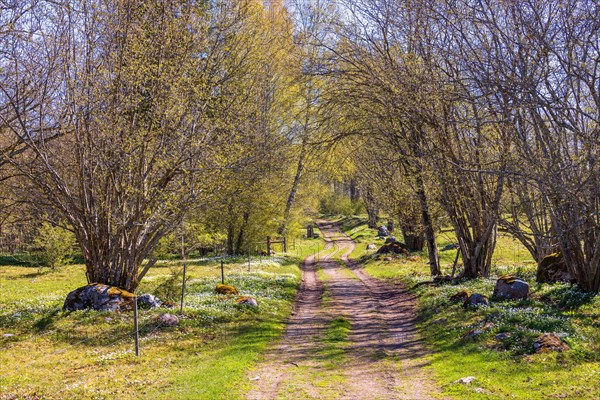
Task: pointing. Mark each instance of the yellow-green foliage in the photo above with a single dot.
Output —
(507, 278)
(462, 296)
(243, 299)
(226, 289)
(551, 259)
(115, 291)
(54, 245)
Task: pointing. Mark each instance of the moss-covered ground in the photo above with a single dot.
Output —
(50, 354)
(495, 344)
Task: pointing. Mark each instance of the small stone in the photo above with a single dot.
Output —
(476, 299)
(387, 259)
(251, 301)
(167, 319)
(488, 326)
(390, 239)
(467, 380)
(549, 342)
(8, 335)
(148, 301)
(502, 336)
(383, 231)
(371, 246)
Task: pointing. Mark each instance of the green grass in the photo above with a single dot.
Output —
(505, 367)
(81, 355)
(335, 342)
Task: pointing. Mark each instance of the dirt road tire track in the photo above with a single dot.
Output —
(384, 355)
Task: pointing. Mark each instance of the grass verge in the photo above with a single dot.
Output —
(83, 355)
(495, 344)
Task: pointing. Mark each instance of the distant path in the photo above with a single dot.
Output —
(383, 358)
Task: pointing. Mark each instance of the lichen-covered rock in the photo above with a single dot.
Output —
(148, 301)
(549, 342)
(226, 289)
(371, 246)
(390, 239)
(166, 319)
(511, 287)
(99, 297)
(553, 269)
(475, 300)
(251, 301)
(461, 296)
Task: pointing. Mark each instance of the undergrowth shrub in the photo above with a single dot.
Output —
(53, 246)
(170, 288)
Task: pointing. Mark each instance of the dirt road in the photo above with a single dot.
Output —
(381, 357)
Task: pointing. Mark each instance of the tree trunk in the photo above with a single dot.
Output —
(413, 242)
(432, 250)
(230, 239)
(292, 195)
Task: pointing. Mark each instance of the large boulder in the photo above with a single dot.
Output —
(510, 287)
(383, 231)
(99, 297)
(553, 269)
(549, 342)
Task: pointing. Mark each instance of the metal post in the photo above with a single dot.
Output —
(135, 324)
(183, 287)
(284, 245)
(222, 273)
(268, 246)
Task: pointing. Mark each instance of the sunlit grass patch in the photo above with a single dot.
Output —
(55, 354)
